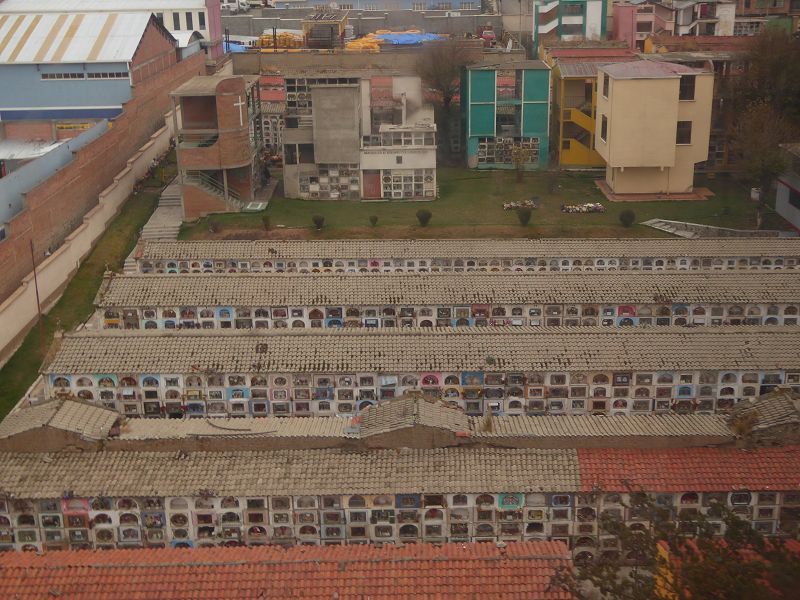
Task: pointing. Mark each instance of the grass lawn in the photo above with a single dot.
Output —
(76, 305)
(470, 205)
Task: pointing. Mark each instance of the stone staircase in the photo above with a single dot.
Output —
(697, 230)
(165, 223)
(214, 188)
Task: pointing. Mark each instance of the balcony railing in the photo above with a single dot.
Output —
(197, 140)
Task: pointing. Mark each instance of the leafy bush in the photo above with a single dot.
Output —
(318, 221)
(265, 222)
(373, 220)
(524, 215)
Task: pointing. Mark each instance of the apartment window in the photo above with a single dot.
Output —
(605, 84)
(604, 128)
(573, 8)
(189, 21)
(684, 134)
(160, 17)
(176, 21)
(467, 6)
(644, 27)
(201, 20)
(687, 87)
(418, 6)
(747, 3)
(346, 6)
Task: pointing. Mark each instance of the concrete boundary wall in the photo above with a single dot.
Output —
(18, 312)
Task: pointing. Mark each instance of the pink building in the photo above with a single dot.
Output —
(633, 22)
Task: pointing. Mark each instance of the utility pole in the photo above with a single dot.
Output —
(38, 303)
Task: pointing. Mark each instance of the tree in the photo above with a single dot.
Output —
(773, 73)
(373, 220)
(424, 216)
(520, 157)
(318, 221)
(756, 138)
(439, 66)
(524, 215)
(680, 556)
(627, 217)
(266, 222)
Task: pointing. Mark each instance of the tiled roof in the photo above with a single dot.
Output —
(92, 422)
(590, 248)
(365, 289)
(778, 408)
(645, 69)
(289, 472)
(408, 412)
(449, 471)
(511, 349)
(390, 415)
(690, 469)
(588, 426)
(272, 427)
(515, 570)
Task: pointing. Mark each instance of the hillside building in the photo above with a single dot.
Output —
(672, 103)
(328, 372)
(459, 256)
(506, 109)
(76, 66)
(218, 124)
(181, 18)
(358, 135)
(585, 299)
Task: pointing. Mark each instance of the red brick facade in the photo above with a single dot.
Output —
(56, 206)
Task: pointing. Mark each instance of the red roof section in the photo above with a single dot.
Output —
(690, 469)
(519, 570)
(722, 43)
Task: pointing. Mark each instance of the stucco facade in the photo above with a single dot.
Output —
(653, 125)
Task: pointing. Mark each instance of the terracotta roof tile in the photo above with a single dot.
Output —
(316, 573)
(690, 469)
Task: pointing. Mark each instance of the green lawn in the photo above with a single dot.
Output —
(470, 205)
(76, 305)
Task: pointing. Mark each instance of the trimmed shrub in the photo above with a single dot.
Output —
(318, 221)
(265, 221)
(424, 216)
(524, 215)
(627, 217)
(373, 220)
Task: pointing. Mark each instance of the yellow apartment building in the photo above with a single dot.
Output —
(653, 122)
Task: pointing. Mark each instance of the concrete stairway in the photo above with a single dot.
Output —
(673, 227)
(165, 223)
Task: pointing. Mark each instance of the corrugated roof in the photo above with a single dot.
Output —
(579, 69)
(368, 289)
(596, 426)
(278, 427)
(453, 571)
(84, 6)
(474, 248)
(779, 408)
(289, 472)
(411, 350)
(92, 422)
(445, 471)
(410, 412)
(70, 37)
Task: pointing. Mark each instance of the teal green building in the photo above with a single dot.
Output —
(504, 107)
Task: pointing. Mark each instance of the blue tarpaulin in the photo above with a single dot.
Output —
(234, 47)
(407, 39)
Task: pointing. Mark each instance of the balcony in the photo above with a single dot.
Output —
(212, 149)
(197, 140)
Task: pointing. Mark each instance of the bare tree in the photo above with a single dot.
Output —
(439, 66)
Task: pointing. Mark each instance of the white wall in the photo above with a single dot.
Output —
(782, 206)
(594, 20)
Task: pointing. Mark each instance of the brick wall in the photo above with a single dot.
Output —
(56, 206)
